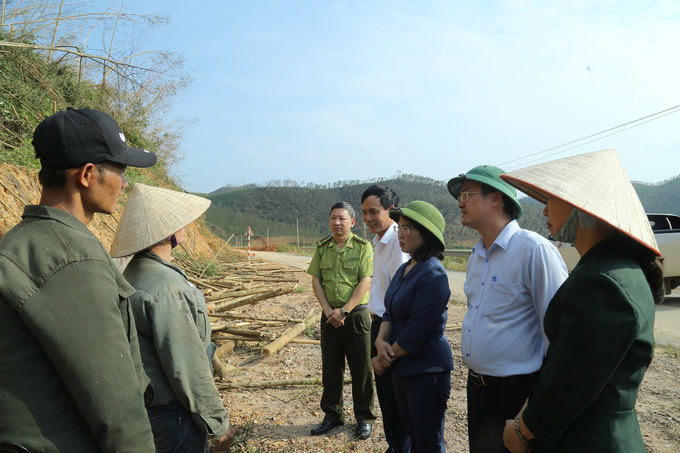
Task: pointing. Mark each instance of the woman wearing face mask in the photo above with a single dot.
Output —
(600, 323)
(184, 406)
(411, 340)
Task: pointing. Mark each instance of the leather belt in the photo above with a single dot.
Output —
(376, 318)
(482, 380)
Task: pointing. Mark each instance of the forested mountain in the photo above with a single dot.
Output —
(278, 205)
(278, 208)
(663, 197)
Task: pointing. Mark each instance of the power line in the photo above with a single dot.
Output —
(654, 116)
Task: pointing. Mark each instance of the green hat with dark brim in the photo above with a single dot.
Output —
(425, 214)
(491, 176)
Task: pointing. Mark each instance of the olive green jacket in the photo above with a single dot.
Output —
(340, 272)
(600, 324)
(71, 378)
(174, 337)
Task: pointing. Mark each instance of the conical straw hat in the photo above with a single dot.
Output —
(597, 184)
(151, 215)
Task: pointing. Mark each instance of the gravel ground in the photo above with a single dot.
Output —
(278, 419)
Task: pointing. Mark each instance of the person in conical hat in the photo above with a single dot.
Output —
(600, 323)
(172, 322)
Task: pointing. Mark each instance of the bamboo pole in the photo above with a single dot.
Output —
(288, 335)
(245, 332)
(279, 383)
(214, 257)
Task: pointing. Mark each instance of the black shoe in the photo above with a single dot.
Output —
(326, 426)
(363, 431)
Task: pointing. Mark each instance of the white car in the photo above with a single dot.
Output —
(666, 228)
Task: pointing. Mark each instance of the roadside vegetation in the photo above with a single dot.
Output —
(55, 55)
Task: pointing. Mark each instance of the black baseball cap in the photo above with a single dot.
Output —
(74, 137)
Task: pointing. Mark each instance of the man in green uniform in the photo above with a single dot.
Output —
(341, 271)
(71, 377)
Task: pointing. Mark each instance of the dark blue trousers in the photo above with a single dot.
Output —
(421, 399)
(394, 432)
(174, 431)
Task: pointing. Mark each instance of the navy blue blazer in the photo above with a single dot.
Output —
(417, 311)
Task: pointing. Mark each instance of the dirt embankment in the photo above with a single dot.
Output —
(19, 186)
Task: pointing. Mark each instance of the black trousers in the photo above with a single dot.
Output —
(352, 340)
(394, 432)
(490, 405)
(422, 400)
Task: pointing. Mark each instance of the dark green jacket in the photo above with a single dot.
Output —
(71, 378)
(600, 324)
(174, 337)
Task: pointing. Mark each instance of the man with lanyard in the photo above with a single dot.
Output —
(376, 203)
(341, 271)
(512, 275)
(71, 377)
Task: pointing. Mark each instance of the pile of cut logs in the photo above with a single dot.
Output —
(241, 284)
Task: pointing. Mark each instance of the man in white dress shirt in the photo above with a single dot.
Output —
(512, 275)
(376, 203)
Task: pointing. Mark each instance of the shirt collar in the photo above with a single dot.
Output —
(61, 216)
(502, 241)
(389, 233)
(349, 243)
(152, 256)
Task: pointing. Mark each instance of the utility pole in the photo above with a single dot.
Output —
(297, 225)
(267, 239)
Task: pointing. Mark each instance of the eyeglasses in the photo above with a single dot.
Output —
(465, 196)
(406, 229)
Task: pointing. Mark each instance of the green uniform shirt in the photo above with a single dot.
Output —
(71, 377)
(340, 272)
(174, 337)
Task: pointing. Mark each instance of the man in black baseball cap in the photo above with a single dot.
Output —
(72, 376)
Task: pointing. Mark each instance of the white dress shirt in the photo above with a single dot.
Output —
(387, 257)
(508, 289)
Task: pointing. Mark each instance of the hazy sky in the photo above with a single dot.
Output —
(321, 91)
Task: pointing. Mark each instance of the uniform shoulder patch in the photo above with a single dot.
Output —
(360, 240)
(325, 240)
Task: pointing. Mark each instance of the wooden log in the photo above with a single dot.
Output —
(242, 332)
(279, 383)
(249, 333)
(288, 335)
(253, 299)
(256, 318)
(222, 295)
(235, 338)
(225, 348)
(202, 283)
(304, 341)
(222, 370)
